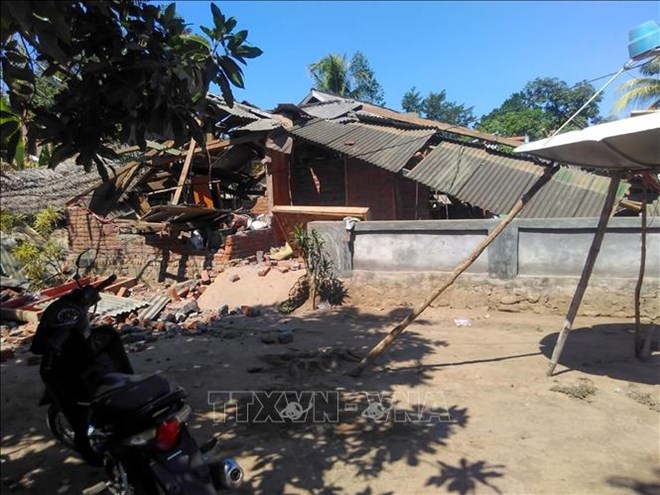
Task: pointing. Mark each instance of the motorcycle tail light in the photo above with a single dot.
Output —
(167, 435)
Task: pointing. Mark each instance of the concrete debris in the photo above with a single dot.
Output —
(264, 271)
(234, 278)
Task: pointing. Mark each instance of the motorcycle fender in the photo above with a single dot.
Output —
(183, 470)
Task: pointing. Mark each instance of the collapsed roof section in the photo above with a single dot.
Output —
(465, 164)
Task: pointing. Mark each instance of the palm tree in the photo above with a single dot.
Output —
(331, 75)
(641, 92)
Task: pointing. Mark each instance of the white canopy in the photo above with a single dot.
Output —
(627, 144)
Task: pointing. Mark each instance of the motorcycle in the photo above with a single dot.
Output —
(134, 426)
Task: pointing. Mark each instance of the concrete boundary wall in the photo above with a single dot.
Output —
(527, 248)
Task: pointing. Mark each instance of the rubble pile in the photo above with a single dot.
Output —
(172, 312)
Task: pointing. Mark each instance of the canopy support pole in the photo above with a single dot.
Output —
(586, 271)
(379, 348)
(639, 336)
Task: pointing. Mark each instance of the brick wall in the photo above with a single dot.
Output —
(149, 257)
(319, 183)
(152, 257)
(246, 243)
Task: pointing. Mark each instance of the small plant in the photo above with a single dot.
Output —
(581, 390)
(323, 281)
(644, 399)
(46, 220)
(41, 263)
(9, 220)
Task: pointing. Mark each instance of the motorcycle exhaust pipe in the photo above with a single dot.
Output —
(231, 474)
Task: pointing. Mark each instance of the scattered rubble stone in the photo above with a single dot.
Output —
(264, 271)
(285, 337)
(269, 338)
(6, 354)
(137, 346)
(510, 299)
(250, 311)
(206, 277)
(33, 360)
(283, 269)
(234, 278)
(224, 310)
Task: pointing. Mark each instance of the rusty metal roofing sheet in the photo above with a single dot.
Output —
(386, 147)
(331, 109)
(495, 181)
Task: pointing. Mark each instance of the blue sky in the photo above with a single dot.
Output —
(479, 52)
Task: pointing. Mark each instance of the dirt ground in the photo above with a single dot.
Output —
(591, 429)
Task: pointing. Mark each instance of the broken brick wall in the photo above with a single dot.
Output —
(153, 257)
(246, 243)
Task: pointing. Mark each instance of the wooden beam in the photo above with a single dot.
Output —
(402, 325)
(184, 173)
(586, 271)
(639, 336)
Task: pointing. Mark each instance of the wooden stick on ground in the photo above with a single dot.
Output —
(639, 337)
(586, 271)
(401, 326)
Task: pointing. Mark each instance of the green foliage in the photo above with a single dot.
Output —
(127, 69)
(12, 144)
(366, 87)
(41, 263)
(319, 267)
(9, 220)
(542, 107)
(286, 307)
(334, 74)
(641, 92)
(412, 101)
(436, 107)
(46, 220)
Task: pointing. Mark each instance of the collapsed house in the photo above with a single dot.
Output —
(169, 213)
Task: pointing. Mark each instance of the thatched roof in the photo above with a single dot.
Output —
(33, 189)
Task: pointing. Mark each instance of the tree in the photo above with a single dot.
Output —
(333, 74)
(412, 101)
(642, 92)
(127, 68)
(366, 87)
(436, 107)
(541, 107)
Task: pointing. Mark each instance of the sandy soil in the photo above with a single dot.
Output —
(509, 432)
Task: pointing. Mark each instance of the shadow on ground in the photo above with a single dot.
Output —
(603, 350)
(301, 456)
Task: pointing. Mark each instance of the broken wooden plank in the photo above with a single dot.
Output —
(184, 172)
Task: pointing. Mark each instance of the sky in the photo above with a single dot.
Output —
(478, 52)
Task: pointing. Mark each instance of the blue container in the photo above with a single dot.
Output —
(643, 39)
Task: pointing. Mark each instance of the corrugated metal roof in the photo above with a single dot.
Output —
(495, 181)
(386, 147)
(111, 305)
(331, 109)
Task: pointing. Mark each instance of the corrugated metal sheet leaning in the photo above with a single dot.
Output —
(494, 181)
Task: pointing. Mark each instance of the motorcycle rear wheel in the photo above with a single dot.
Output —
(60, 427)
(125, 480)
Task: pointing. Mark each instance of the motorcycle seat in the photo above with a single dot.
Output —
(119, 393)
